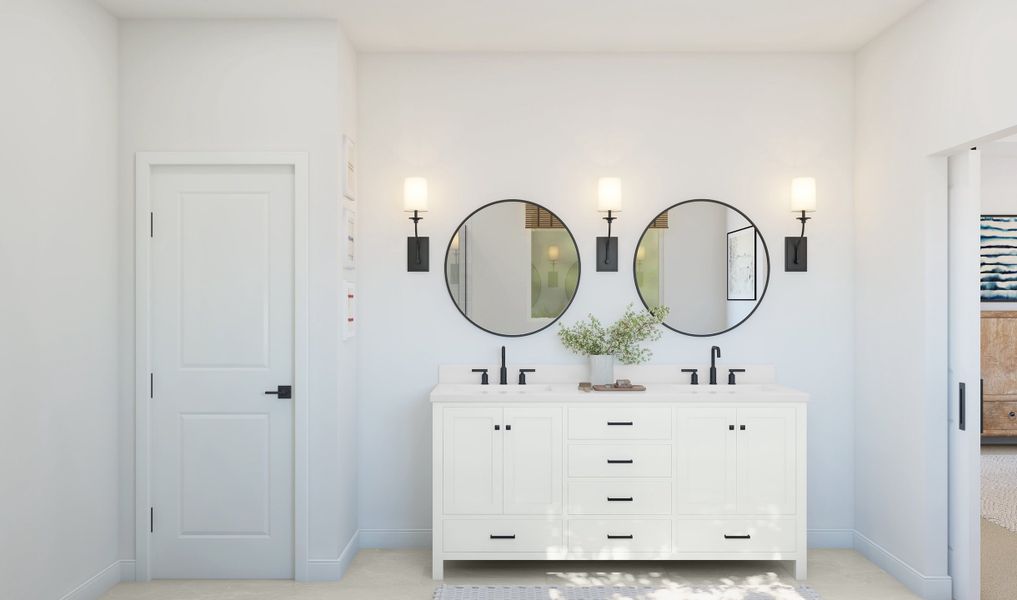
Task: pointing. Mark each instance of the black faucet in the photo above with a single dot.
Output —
(714, 355)
(503, 378)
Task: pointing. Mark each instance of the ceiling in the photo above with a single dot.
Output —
(567, 25)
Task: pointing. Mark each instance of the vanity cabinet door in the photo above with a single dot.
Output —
(705, 474)
(472, 460)
(533, 461)
(766, 460)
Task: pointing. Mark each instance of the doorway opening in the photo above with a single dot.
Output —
(982, 250)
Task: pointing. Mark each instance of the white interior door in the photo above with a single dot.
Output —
(964, 374)
(222, 330)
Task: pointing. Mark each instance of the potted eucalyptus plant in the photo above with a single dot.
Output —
(620, 340)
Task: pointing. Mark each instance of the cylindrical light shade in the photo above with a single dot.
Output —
(455, 243)
(803, 194)
(553, 252)
(609, 194)
(415, 194)
(641, 253)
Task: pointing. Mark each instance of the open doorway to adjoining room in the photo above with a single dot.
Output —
(982, 232)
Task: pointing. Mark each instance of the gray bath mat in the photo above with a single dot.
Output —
(550, 592)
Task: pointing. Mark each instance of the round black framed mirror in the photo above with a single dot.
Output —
(512, 268)
(707, 261)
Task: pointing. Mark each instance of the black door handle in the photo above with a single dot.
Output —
(610, 499)
(619, 461)
(619, 537)
(737, 537)
(503, 537)
(619, 423)
(283, 391)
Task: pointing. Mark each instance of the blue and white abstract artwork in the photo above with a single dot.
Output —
(999, 258)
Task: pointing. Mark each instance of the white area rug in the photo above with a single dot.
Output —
(999, 489)
(719, 591)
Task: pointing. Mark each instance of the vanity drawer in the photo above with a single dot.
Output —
(997, 416)
(614, 538)
(620, 497)
(502, 535)
(620, 460)
(620, 423)
(735, 535)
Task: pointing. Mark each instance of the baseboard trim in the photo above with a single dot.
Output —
(333, 569)
(395, 538)
(96, 585)
(831, 538)
(929, 587)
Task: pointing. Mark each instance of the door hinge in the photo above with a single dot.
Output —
(151, 385)
(151, 224)
(151, 519)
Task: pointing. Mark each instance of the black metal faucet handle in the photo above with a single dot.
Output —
(483, 378)
(522, 375)
(731, 375)
(694, 378)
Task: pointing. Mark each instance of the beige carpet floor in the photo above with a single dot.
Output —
(999, 550)
(999, 562)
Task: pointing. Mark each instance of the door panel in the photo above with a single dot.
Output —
(533, 461)
(472, 461)
(964, 350)
(766, 461)
(222, 334)
(706, 461)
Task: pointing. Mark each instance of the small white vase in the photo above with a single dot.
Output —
(602, 369)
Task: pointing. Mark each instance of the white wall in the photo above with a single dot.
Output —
(253, 86)
(58, 264)
(941, 78)
(544, 127)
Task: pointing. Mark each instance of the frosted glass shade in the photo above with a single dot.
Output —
(609, 194)
(803, 194)
(553, 252)
(415, 194)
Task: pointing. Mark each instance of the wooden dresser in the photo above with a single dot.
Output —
(999, 373)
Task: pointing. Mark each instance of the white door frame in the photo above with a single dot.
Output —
(144, 162)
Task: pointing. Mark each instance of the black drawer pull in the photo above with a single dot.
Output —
(737, 537)
(619, 461)
(1013, 414)
(619, 537)
(503, 537)
(610, 499)
(629, 423)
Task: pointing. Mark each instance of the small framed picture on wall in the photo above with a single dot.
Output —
(349, 168)
(348, 237)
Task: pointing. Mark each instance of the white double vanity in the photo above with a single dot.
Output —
(676, 472)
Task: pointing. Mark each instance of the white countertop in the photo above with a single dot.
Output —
(655, 392)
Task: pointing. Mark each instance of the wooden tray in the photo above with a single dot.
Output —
(586, 387)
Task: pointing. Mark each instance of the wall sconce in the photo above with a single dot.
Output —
(803, 200)
(415, 201)
(608, 200)
(553, 254)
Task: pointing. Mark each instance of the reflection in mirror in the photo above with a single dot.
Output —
(512, 268)
(707, 262)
